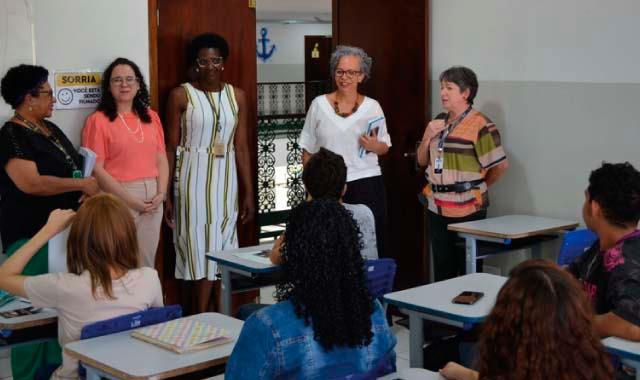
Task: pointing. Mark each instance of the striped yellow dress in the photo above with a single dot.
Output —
(206, 186)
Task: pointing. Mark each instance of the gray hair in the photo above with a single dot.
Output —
(343, 51)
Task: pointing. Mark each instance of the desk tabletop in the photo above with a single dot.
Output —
(435, 299)
(413, 374)
(234, 259)
(513, 226)
(623, 348)
(126, 357)
(43, 317)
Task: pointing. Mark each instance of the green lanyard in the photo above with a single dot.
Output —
(54, 140)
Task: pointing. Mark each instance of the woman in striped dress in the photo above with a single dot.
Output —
(207, 140)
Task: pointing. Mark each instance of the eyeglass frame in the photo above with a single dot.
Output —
(119, 81)
(210, 61)
(350, 74)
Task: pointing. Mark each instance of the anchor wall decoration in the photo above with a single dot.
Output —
(264, 55)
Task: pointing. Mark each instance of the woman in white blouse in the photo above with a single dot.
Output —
(352, 125)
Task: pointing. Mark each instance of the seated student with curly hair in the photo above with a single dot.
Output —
(325, 177)
(326, 325)
(541, 328)
(610, 269)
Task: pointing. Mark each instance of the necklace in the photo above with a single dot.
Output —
(135, 132)
(345, 114)
(36, 127)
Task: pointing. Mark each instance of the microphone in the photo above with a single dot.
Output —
(441, 116)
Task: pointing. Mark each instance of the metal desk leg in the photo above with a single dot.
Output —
(226, 290)
(536, 251)
(634, 364)
(96, 374)
(471, 249)
(416, 341)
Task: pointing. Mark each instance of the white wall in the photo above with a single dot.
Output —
(73, 35)
(287, 62)
(561, 81)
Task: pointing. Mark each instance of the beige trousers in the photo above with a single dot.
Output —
(147, 224)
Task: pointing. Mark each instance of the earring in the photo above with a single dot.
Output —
(197, 70)
(223, 68)
(30, 108)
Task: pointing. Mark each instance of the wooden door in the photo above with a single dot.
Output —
(317, 50)
(394, 34)
(172, 25)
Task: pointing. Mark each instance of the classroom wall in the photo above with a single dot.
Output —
(559, 78)
(287, 62)
(72, 35)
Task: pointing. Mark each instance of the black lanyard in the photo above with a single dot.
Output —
(54, 140)
(445, 133)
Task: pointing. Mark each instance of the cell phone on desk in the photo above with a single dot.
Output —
(467, 297)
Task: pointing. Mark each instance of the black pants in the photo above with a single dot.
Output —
(448, 260)
(370, 191)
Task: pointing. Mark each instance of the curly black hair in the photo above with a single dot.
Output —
(206, 41)
(323, 274)
(141, 101)
(464, 78)
(616, 188)
(22, 80)
(324, 175)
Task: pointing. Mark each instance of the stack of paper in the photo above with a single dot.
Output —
(89, 161)
(183, 335)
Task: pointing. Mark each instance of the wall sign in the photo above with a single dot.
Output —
(77, 89)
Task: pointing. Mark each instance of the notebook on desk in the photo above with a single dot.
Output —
(261, 256)
(183, 335)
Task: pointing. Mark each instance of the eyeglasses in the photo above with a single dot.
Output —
(348, 73)
(215, 61)
(122, 80)
(48, 93)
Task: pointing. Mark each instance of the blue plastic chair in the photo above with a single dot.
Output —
(380, 275)
(126, 322)
(574, 244)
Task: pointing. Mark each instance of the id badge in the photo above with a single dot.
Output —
(438, 165)
(218, 149)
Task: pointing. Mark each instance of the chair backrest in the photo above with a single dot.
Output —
(380, 275)
(574, 244)
(131, 321)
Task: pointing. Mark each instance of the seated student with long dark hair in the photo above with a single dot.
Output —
(326, 324)
(541, 328)
(105, 279)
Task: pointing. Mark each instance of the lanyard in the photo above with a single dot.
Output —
(216, 112)
(445, 133)
(54, 140)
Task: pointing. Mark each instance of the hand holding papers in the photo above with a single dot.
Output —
(373, 126)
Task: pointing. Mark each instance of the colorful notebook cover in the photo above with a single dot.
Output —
(183, 335)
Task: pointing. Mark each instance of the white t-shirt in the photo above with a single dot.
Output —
(367, 224)
(323, 128)
(71, 295)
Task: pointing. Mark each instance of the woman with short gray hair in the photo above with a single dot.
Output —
(353, 126)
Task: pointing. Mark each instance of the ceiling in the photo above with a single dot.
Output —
(294, 11)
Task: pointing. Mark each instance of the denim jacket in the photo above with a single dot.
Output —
(275, 344)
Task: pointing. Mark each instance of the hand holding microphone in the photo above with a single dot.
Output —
(434, 127)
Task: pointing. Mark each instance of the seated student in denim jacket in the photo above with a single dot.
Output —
(610, 269)
(326, 324)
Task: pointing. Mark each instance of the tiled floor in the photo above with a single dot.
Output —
(5, 365)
